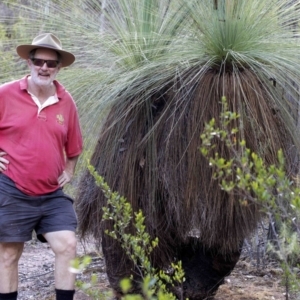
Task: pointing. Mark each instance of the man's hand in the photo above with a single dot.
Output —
(3, 162)
(68, 173)
(64, 178)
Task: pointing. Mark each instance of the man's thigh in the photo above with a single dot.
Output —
(58, 215)
(18, 215)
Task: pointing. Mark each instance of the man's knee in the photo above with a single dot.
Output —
(62, 243)
(69, 246)
(10, 253)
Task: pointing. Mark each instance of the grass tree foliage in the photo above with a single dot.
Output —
(149, 74)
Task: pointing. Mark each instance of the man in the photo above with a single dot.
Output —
(40, 141)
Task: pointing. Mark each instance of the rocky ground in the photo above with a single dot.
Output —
(247, 281)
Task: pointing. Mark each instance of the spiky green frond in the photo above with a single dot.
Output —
(144, 44)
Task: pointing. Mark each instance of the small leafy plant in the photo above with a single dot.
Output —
(138, 248)
(247, 175)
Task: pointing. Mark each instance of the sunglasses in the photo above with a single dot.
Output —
(40, 62)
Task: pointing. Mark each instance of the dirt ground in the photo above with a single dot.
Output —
(246, 282)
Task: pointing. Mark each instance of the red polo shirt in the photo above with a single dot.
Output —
(36, 143)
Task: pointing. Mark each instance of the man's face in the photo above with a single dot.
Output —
(43, 75)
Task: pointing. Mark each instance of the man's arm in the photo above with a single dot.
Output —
(69, 171)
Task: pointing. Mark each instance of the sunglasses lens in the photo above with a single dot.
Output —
(51, 63)
(40, 62)
(37, 62)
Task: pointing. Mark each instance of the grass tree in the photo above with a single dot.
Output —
(146, 85)
(169, 73)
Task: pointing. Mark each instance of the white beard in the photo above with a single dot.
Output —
(42, 81)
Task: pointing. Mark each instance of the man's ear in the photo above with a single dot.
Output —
(29, 62)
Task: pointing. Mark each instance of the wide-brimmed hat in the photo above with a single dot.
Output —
(47, 41)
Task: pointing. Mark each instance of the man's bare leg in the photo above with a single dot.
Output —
(63, 243)
(10, 254)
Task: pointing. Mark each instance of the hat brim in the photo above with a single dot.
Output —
(67, 58)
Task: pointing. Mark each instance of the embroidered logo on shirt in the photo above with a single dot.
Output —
(60, 119)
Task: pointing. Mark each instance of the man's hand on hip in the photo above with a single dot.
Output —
(3, 162)
(64, 178)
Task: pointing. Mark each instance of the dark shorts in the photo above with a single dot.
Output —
(20, 214)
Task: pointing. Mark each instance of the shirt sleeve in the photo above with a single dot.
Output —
(74, 144)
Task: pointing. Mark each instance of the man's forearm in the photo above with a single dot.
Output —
(71, 165)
